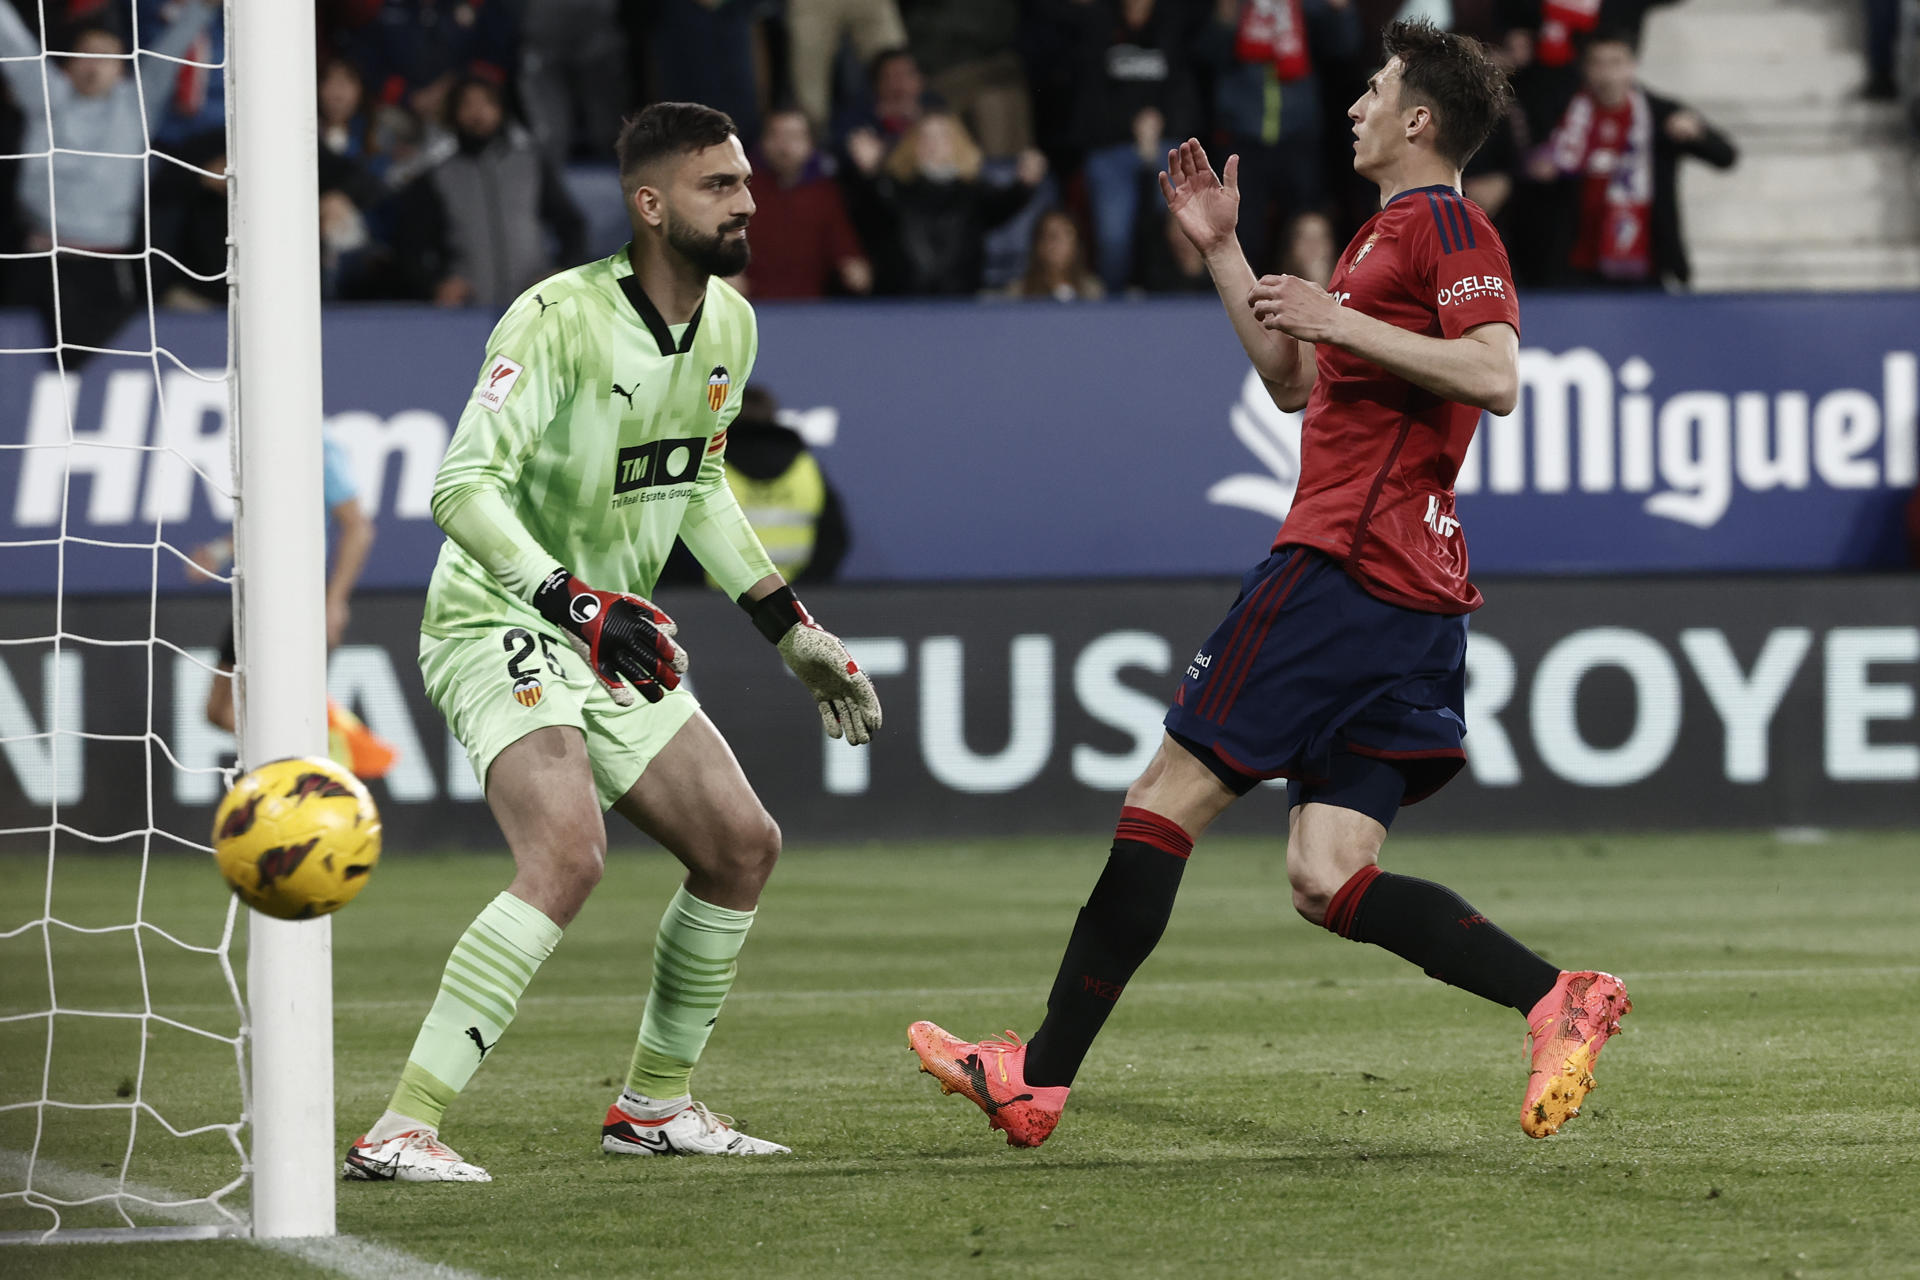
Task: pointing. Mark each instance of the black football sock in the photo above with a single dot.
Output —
(1115, 932)
(1433, 926)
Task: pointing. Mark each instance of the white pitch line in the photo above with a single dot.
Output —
(1137, 988)
(348, 1256)
(359, 1259)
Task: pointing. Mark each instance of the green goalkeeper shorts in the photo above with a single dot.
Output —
(496, 687)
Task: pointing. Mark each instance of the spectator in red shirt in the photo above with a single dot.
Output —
(1616, 155)
(803, 244)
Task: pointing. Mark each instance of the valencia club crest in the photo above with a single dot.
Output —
(717, 384)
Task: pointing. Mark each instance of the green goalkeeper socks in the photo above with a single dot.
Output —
(489, 968)
(693, 969)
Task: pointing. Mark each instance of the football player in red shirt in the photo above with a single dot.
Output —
(1341, 667)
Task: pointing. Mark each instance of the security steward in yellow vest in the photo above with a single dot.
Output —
(786, 497)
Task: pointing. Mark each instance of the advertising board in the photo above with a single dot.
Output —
(984, 442)
(1028, 708)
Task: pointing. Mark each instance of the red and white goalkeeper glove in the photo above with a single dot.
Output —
(849, 707)
(621, 636)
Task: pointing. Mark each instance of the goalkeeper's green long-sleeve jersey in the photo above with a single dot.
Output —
(596, 432)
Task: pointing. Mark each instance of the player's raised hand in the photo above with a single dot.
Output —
(1298, 308)
(1205, 209)
(621, 637)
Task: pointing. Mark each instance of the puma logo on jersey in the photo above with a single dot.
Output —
(473, 1033)
(501, 375)
(544, 304)
(1443, 525)
(622, 391)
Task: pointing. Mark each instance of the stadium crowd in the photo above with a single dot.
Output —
(904, 147)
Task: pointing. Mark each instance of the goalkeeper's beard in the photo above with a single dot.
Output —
(713, 255)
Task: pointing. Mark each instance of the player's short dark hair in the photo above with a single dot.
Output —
(667, 129)
(1454, 77)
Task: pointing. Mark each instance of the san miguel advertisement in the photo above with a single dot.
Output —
(996, 441)
(1010, 708)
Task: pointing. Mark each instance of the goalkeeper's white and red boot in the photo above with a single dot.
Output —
(417, 1155)
(688, 1130)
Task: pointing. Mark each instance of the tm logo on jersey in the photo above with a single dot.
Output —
(656, 463)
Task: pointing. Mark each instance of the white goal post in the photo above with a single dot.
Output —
(280, 568)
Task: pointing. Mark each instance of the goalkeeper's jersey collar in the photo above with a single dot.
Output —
(648, 313)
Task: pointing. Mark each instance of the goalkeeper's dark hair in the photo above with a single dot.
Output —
(1454, 77)
(666, 129)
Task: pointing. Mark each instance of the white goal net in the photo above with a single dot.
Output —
(125, 1044)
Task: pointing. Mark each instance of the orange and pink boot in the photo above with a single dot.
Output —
(1565, 1033)
(990, 1074)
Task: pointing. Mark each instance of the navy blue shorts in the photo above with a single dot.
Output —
(1307, 665)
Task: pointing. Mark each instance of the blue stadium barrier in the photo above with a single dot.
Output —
(1037, 440)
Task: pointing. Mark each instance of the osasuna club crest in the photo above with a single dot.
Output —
(1365, 249)
(717, 384)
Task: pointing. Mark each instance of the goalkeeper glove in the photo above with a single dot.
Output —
(848, 705)
(619, 635)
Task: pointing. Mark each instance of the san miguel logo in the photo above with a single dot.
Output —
(527, 691)
(315, 784)
(717, 384)
(277, 864)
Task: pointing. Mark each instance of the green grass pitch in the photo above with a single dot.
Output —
(1268, 1099)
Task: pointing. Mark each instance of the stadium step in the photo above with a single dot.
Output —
(1817, 218)
(1763, 126)
(1768, 176)
(1773, 265)
(1824, 195)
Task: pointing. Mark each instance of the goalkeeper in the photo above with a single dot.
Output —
(596, 433)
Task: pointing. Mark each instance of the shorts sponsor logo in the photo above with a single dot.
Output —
(501, 375)
(1470, 288)
(717, 384)
(527, 691)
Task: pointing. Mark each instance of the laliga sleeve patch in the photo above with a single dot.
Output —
(501, 374)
